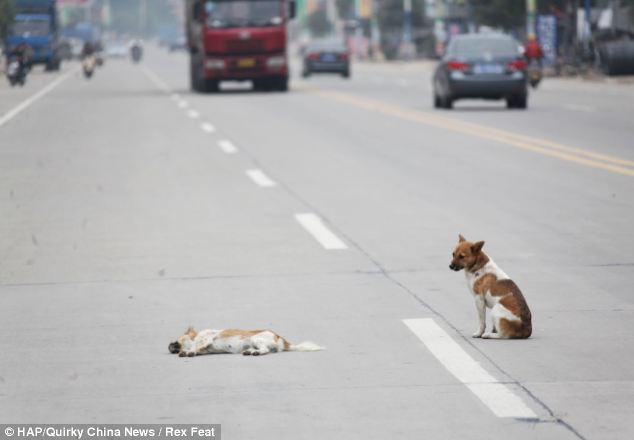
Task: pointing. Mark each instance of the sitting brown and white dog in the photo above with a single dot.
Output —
(247, 342)
(492, 289)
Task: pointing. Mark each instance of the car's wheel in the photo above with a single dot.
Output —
(517, 101)
(346, 74)
(437, 103)
(306, 73)
(282, 84)
(446, 102)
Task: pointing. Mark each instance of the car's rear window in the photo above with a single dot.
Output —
(327, 45)
(481, 46)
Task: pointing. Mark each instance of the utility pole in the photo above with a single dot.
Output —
(143, 17)
(531, 12)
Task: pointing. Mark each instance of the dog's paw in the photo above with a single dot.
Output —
(182, 354)
(490, 335)
(191, 354)
(247, 353)
(477, 334)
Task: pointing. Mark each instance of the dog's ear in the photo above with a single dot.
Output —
(477, 247)
(461, 238)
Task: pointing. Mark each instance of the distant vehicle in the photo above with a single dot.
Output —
(326, 56)
(117, 50)
(487, 66)
(238, 40)
(35, 24)
(179, 42)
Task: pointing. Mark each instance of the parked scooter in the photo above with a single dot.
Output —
(89, 64)
(136, 52)
(16, 71)
(535, 73)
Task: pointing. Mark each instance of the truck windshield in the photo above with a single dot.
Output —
(36, 28)
(241, 13)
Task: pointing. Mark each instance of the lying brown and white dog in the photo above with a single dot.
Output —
(494, 289)
(247, 342)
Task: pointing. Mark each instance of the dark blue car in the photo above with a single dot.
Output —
(485, 66)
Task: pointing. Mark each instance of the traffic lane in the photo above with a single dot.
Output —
(554, 113)
(539, 206)
(63, 300)
(373, 375)
(122, 184)
(388, 169)
(567, 310)
(37, 79)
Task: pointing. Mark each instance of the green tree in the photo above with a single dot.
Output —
(7, 13)
(503, 14)
(318, 23)
(345, 8)
(390, 19)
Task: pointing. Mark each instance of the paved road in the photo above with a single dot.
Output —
(132, 208)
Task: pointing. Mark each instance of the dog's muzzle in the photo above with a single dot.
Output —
(455, 267)
(174, 348)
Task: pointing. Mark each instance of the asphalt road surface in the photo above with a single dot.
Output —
(131, 208)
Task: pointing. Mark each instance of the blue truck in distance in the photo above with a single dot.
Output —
(35, 24)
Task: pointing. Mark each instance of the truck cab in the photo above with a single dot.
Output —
(238, 40)
(35, 24)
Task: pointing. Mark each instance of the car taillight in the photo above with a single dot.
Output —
(313, 56)
(343, 56)
(458, 65)
(517, 65)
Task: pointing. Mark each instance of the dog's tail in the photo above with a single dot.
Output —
(305, 346)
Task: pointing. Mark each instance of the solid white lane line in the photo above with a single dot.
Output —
(30, 100)
(314, 225)
(227, 146)
(193, 114)
(260, 178)
(206, 126)
(494, 394)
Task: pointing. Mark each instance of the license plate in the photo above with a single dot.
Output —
(246, 62)
(329, 57)
(488, 68)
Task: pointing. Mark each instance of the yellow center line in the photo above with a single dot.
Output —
(537, 145)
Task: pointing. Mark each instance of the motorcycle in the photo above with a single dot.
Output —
(136, 52)
(16, 72)
(89, 64)
(534, 74)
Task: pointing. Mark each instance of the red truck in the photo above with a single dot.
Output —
(238, 40)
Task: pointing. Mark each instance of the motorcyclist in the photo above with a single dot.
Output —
(533, 50)
(21, 53)
(136, 50)
(88, 50)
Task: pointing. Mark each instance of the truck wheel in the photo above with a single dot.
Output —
(280, 84)
(211, 86)
(195, 79)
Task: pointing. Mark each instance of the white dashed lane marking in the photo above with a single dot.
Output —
(260, 178)
(315, 226)
(193, 114)
(228, 147)
(207, 127)
(497, 396)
